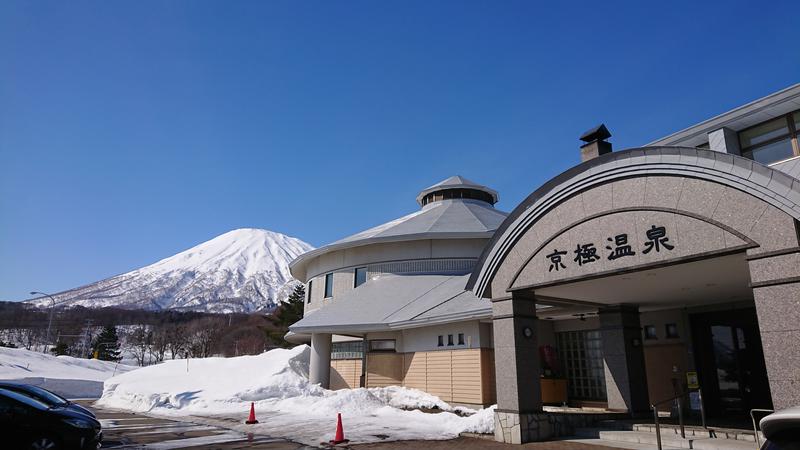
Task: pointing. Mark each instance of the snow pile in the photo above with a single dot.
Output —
(16, 363)
(64, 375)
(286, 403)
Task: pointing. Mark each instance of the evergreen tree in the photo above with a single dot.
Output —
(106, 345)
(286, 314)
(60, 348)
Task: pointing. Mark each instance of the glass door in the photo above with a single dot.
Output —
(730, 361)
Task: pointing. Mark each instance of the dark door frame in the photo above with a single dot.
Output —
(750, 367)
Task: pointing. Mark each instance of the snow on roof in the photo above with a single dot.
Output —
(397, 301)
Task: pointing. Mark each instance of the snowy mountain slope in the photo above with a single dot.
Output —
(242, 270)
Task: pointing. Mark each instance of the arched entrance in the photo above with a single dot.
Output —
(697, 248)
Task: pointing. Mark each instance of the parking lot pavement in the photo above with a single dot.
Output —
(125, 430)
(466, 443)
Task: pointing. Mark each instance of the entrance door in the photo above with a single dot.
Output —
(730, 362)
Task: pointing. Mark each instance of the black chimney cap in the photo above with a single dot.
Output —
(597, 133)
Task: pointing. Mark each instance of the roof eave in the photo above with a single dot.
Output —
(349, 328)
(790, 94)
(400, 325)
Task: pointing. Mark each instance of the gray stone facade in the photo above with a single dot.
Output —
(711, 203)
(515, 428)
(776, 288)
(626, 377)
(515, 341)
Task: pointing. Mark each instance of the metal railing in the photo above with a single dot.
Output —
(755, 424)
(677, 399)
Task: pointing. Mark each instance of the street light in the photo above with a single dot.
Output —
(53, 305)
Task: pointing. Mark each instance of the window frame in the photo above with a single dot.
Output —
(461, 339)
(355, 276)
(648, 336)
(668, 334)
(450, 340)
(440, 341)
(310, 291)
(792, 135)
(328, 287)
(392, 350)
(347, 350)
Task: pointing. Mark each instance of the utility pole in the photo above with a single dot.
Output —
(49, 322)
(86, 336)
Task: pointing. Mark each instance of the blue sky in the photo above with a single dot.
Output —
(132, 131)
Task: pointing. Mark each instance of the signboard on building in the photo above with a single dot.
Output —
(692, 382)
(625, 240)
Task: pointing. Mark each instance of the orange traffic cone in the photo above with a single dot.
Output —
(252, 419)
(339, 438)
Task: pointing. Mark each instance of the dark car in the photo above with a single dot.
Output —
(45, 396)
(28, 423)
(782, 430)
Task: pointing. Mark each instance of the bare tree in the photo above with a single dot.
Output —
(176, 340)
(27, 337)
(139, 341)
(201, 337)
(159, 343)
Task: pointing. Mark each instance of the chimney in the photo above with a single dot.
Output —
(595, 143)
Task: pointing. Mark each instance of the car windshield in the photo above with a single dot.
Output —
(44, 395)
(30, 401)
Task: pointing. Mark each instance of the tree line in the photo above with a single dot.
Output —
(148, 336)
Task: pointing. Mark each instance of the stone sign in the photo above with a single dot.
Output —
(623, 240)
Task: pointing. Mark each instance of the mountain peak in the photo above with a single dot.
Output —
(243, 270)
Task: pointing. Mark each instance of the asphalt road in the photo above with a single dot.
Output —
(125, 430)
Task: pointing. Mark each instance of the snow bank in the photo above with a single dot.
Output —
(64, 375)
(286, 403)
(16, 363)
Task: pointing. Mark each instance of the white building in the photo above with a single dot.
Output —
(612, 285)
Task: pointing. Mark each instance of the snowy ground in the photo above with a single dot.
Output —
(219, 390)
(68, 376)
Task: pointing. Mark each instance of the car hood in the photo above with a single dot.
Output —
(69, 413)
(78, 408)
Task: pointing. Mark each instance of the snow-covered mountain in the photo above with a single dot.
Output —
(242, 270)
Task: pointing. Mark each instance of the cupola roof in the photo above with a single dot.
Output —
(460, 186)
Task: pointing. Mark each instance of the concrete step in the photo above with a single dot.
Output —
(672, 440)
(722, 433)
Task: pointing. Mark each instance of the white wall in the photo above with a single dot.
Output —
(342, 263)
(426, 338)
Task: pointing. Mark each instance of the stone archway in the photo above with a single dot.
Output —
(705, 204)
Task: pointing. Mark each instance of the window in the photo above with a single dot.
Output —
(449, 339)
(310, 289)
(441, 341)
(360, 276)
(382, 345)
(460, 338)
(771, 141)
(650, 332)
(671, 330)
(329, 285)
(582, 358)
(347, 350)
